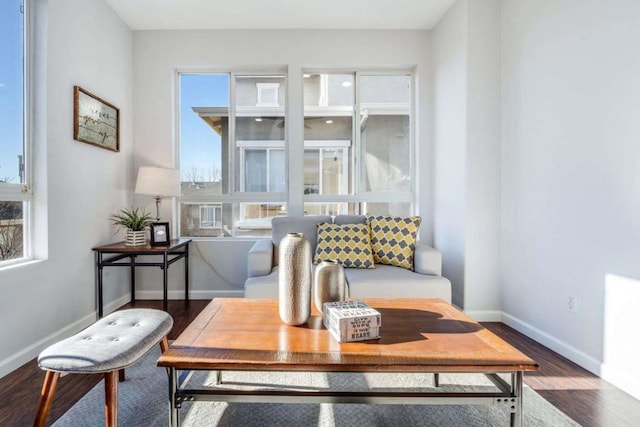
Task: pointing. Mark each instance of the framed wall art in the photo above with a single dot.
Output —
(159, 233)
(95, 121)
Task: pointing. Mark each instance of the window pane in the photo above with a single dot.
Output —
(259, 109)
(11, 230)
(255, 170)
(385, 139)
(11, 92)
(277, 169)
(333, 179)
(328, 90)
(204, 117)
(311, 172)
(391, 209)
(330, 208)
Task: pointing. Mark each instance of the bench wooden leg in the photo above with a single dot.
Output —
(164, 344)
(111, 398)
(46, 397)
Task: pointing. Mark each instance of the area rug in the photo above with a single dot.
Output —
(143, 401)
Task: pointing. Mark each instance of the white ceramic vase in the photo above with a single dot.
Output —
(135, 238)
(294, 279)
(329, 283)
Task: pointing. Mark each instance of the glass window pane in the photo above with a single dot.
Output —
(277, 169)
(311, 172)
(11, 230)
(255, 170)
(328, 90)
(330, 208)
(392, 209)
(204, 134)
(385, 138)
(333, 179)
(229, 219)
(259, 109)
(11, 92)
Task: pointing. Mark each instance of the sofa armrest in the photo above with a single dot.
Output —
(427, 260)
(260, 258)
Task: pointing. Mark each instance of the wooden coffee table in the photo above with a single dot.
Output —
(417, 335)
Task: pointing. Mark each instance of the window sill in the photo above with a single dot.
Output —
(10, 265)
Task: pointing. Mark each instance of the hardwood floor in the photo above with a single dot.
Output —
(581, 395)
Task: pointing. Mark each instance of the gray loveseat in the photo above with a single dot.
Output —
(385, 281)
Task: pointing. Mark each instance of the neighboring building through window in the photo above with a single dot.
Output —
(15, 191)
(357, 154)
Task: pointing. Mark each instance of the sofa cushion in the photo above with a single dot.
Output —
(393, 239)
(387, 281)
(349, 244)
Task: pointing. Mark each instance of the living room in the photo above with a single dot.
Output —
(524, 149)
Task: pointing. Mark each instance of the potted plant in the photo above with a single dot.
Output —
(135, 221)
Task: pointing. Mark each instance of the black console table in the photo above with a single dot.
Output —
(125, 256)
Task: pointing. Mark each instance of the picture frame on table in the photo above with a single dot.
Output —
(160, 234)
(95, 121)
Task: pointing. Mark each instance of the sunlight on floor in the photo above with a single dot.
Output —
(621, 341)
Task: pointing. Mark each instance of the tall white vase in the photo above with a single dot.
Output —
(294, 279)
(328, 283)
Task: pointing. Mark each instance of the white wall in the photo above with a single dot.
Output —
(159, 54)
(467, 153)
(570, 181)
(77, 185)
(450, 140)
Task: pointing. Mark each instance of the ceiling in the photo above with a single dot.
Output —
(280, 14)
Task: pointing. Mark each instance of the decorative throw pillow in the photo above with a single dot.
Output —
(349, 244)
(393, 239)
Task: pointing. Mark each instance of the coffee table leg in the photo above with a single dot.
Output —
(516, 413)
(174, 418)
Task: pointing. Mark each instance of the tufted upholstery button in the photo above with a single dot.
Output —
(87, 338)
(115, 339)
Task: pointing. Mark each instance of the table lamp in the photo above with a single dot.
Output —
(158, 182)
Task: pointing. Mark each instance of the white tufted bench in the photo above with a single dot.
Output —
(108, 346)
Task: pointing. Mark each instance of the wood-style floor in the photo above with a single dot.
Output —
(581, 395)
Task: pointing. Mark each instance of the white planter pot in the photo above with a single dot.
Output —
(136, 238)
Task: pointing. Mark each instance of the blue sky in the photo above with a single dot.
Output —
(10, 89)
(200, 145)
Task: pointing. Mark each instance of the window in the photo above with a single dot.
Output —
(371, 162)
(232, 152)
(15, 192)
(211, 216)
(356, 155)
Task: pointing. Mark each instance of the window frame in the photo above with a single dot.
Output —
(217, 225)
(23, 191)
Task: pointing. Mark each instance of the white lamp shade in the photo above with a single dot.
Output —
(159, 182)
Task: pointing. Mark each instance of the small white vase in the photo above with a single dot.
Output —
(135, 238)
(328, 283)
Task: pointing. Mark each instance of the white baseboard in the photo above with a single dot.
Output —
(484, 315)
(560, 347)
(205, 294)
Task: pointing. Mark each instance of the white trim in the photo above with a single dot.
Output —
(329, 143)
(555, 344)
(260, 144)
(193, 294)
(315, 111)
(484, 315)
(261, 110)
(387, 108)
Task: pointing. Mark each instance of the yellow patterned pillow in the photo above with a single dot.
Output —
(349, 244)
(393, 240)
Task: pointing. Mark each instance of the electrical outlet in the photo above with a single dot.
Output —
(572, 304)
